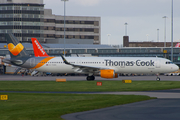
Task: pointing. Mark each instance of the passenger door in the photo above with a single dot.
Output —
(158, 63)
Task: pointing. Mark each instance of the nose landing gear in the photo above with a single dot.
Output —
(158, 78)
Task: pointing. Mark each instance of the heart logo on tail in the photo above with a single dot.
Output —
(15, 50)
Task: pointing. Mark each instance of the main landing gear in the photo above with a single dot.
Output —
(89, 78)
(158, 78)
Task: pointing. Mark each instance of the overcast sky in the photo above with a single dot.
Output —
(144, 17)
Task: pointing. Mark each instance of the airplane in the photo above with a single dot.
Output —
(106, 67)
(177, 45)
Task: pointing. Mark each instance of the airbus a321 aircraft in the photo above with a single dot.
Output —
(106, 67)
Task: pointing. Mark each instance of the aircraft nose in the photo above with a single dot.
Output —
(176, 68)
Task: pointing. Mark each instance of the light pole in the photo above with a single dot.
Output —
(165, 30)
(172, 32)
(157, 35)
(147, 35)
(108, 38)
(126, 28)
(64, 25)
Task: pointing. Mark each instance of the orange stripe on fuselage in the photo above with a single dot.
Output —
(44, 61)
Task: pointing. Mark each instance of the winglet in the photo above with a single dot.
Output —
(65, 61)
(38, 49)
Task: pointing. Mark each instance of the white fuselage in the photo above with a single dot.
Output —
(119, 64)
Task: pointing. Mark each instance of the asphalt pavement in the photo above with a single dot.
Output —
(165, 107)
(83, 78)
(156, 109)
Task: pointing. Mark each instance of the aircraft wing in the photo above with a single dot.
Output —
(84, 68)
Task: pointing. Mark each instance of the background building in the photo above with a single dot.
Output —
(23, 18)
(77, 27)
(28, 18)
(126, 43)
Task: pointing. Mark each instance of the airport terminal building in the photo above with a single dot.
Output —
(28, 18)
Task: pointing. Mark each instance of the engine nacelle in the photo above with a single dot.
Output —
(108, 74)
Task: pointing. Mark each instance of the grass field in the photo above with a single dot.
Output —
(22, 106)
(33, 106)
(87, 86)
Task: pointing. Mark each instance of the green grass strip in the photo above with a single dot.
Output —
(22, 106)
(87, 86)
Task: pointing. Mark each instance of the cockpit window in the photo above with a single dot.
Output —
(169, 62)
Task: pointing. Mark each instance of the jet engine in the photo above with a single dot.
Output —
(109, 73)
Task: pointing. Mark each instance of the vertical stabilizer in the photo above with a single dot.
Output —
(15, 48)
(38, 49)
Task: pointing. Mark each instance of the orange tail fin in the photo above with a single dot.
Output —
(38, 49)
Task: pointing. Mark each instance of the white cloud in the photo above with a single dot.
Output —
(88, 2)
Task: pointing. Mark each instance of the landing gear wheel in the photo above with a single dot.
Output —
(93, 78)
(158, 79)
(89, 78)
